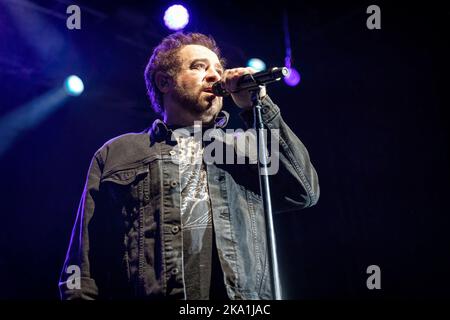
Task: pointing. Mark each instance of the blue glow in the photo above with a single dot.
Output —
(29, 116)
(176, 17)
(293, 77)
(256, 64)
(74, 85)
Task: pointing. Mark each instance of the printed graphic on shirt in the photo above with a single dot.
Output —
(195, 205)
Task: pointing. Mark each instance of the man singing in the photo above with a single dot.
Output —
(156, 220)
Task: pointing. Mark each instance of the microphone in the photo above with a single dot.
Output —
(252, 81)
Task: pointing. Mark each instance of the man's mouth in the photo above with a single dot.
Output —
(208, 89)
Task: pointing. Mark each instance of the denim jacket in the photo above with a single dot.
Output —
(127, 238)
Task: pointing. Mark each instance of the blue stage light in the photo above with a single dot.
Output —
(74, 85)
(256, 64)
(176, 17)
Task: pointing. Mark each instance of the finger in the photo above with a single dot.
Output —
(250, 70)
(234, 80)
(224, 76)
(230, 79)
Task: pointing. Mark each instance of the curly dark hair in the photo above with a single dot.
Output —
(164, 58)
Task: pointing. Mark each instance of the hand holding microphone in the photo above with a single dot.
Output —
(239, 81)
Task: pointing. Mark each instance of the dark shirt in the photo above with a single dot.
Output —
(196, 218)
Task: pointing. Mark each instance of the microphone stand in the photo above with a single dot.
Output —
(265, 192)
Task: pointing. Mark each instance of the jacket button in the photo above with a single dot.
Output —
(265, 110)
(175, 229)
(173, 183)
(172, 153)
(175, 271)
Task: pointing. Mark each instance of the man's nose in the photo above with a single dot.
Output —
(212, 75)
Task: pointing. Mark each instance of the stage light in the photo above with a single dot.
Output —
(74, 85)
(293, 77)
(176, 17)
(29, 116)
(256, 64)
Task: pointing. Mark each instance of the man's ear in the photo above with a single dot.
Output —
(163, 81)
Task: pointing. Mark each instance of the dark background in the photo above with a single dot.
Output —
(371, 109)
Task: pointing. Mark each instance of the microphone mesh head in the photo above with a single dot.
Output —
(218, 90)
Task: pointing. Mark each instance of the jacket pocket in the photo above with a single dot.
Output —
(129, 187)
(125, 176)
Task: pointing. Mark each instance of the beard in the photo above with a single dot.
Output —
(196, 102)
